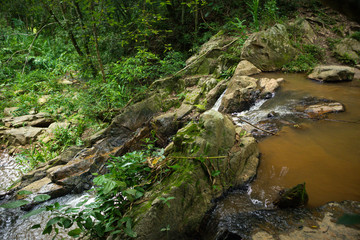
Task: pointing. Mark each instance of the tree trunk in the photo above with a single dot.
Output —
(96, 44)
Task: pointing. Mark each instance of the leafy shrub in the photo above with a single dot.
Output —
(356, 35)
(311, 55)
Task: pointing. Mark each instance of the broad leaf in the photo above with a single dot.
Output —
(42, 198)
(14, 204)
(75, 232)
(34, 212)
(110, 185)
(35, 226)
(47, 230)
(24, 193)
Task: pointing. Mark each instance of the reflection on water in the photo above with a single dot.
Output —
(324, 154)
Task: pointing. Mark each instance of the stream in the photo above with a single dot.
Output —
(323, 153)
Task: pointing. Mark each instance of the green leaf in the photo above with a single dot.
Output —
(47, 230)
(42, 198)
(215, 173)
(24, 193)
(110, 185)
(14, 204)
(67, 223)
(34, 212)
(53, 221)
(35, 226)
(88, 223)
(130, 233)
(75, 232)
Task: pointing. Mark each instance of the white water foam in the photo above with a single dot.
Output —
(218, 102)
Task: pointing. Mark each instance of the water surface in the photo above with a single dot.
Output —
(324, 154)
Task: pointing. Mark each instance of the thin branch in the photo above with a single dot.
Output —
(242, 120)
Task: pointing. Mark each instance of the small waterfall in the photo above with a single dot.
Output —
(218, 102)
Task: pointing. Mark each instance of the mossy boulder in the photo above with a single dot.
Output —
(209, 158)
(269, 50)
(210, 59)
(348, 50)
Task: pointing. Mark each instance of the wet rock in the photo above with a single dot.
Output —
(269, 50)
(293, 198)
(240, 94)
(273, 114)
(321, 224)
(214, 94)
(324, 108)
(349, 49)
(246, 68)
(227, 235)
(332, 73)
(192, 188)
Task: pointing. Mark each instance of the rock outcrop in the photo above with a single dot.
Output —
(211, 159)
(348, 49)
(210, 59)
(332, 73)
(269, 50)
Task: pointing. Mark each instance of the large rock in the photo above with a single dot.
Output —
(317, 110)
(269, 50)
(23, 135)
(348, 49)
(209, 59)
(302, 28)
(246, 68)
(211, 161)
(269, 85)
(332, 73)
(240, 94)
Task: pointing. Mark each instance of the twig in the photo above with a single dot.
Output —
(242, 120)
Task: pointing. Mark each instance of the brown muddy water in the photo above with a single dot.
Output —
(324, 154)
